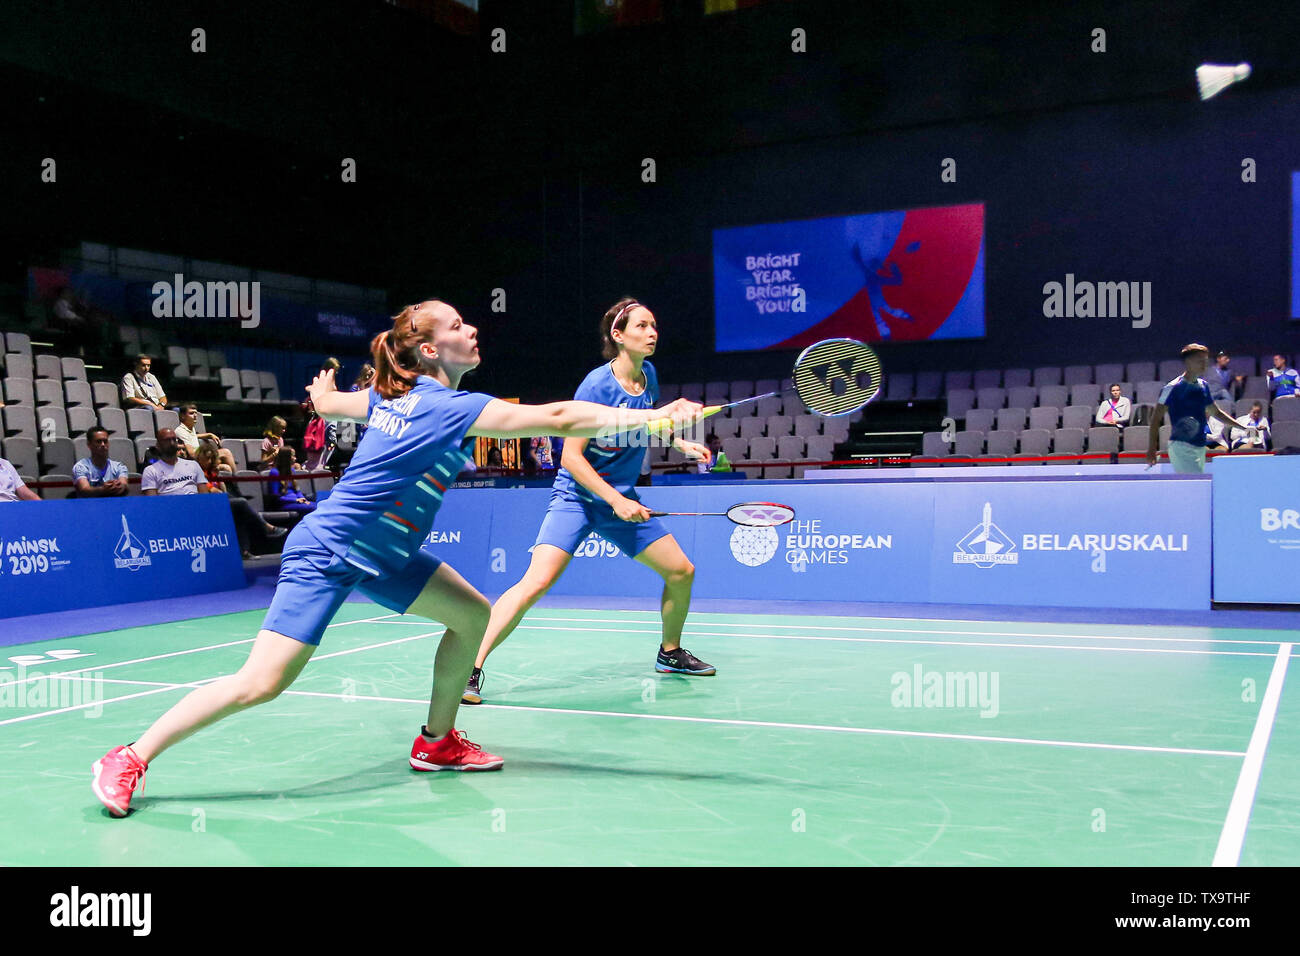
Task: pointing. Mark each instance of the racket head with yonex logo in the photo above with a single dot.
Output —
(837, 377)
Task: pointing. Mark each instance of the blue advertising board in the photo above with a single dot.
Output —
(1257, 530)
(59, 555)
(1119, 543)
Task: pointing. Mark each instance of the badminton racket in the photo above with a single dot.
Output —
(833, 377)
(751, 514)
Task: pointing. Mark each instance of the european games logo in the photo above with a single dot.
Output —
(129, 552)
(986, 545)
(753, 546)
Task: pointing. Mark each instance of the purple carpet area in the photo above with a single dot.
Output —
(262, 576)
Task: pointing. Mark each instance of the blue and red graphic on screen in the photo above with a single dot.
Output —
(890, 276)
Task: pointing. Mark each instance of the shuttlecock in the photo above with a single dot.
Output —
(1211, 78)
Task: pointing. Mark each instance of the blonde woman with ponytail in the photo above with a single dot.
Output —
(368, 534)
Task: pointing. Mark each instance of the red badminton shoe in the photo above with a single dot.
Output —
(116, 775)
(452, 752)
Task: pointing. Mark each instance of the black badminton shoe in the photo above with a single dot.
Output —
(682, 661)
(474, 688)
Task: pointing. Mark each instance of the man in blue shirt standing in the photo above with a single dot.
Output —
(1190, 404)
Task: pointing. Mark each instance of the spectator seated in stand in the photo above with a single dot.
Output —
(318, 441)
(281, 494)
(1254, 433)
(173, 475)
(12, 487)
(190, 439)
(140, 389)
(99, 476)
(714, 444)
(1215, 437)
(1282, 379)
(272, 440)
(1115, 410)
(1225, 384)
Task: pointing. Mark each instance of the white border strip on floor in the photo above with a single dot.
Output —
(1243, 797)
(939, 631)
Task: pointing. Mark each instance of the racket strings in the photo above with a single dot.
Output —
(837, 376)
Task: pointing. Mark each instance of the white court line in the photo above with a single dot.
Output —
(1243, 797)
(898, 640)
(93, 703)
(827, 727)
(671, 717)
(940, 631)
(369, 647)
(158, 657)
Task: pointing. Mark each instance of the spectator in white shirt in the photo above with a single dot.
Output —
(99, 476)
(189, 415)
(12, 487)
(140, 389)
(1115, 410)
(1216, 437)
(1256, 434)
(171, 474)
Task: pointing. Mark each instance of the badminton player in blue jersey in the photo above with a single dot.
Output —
(368, 534)
(594, 490)
(1188, 402)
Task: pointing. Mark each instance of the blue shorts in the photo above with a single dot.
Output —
(315, 581)
(567, 522)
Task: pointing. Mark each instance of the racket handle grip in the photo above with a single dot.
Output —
(659, 514)
(661, 426)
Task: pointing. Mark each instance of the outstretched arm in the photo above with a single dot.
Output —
(333, 405)
(573, 419)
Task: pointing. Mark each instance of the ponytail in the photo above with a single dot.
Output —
(396, 366)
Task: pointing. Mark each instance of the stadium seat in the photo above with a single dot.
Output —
(250, 385)
(179, 362)
(1147, 392)
(58, 455)
(270, 388)
(77, 392)
(752, 427)
(1077, 375)
(740, 389)
(821, 448)
(198, 360)
(51, 420)
(1022, 396)
(1067, 444)
(900, 385)
(1256, 387)
(779, 425)
(1017, 378)
(1086, 394)
(1140, 371)
(166, 418)
(1056, 395)
(19, 420)
(990, 398)
(121, 448)
(1000, 444)
(716, 393)
(19, 343)
(980, 420)
(806, 425)
(49, 391)
(1077, 416)
(790, 447)
(19, 366)
(1046, 375)
(736, 449)
(723, 426)
(139, 421)
(1170, 369)
(960, 401)
(761, 449)
(1045, 416)
(765, 408)
(1136, 439)
(933, 445)
(1107, 374)
(968, 444)
(987, 378)
(74, 369)
(783, 469)
(80, 418)
(21, 453)
(693, 390)
(1036, 441)
(955, 380)
(106, 394)
(1011, 419)
(1102, 438)
(57, 494)
(229, 379)
(1285, 409)
(1286, 435)
(114, 419)
(929, 384)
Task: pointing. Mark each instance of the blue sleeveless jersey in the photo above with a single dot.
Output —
(379, 514)
(618, 459)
